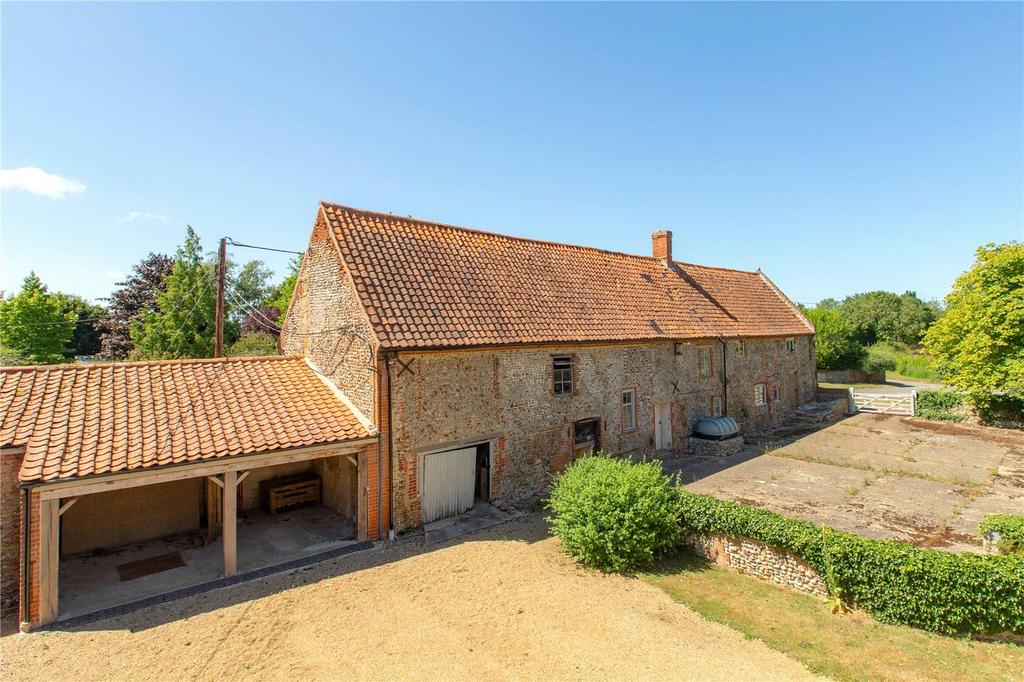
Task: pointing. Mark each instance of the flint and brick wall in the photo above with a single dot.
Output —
(326, 322)
(757, 558)
(850, 376)
(505, 396)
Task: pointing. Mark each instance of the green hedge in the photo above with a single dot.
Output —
(894, 582)
(941, 406)
(1011, 532)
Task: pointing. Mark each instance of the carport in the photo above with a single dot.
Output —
(142, 478)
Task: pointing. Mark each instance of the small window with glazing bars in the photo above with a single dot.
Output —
(562, 366)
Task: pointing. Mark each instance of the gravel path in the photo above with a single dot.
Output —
(504, 603)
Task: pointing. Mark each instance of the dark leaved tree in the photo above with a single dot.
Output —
(136, 294)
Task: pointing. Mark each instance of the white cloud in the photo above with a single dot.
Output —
(38, 181)
(132, 216)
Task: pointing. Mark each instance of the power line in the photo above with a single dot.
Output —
(262, 248)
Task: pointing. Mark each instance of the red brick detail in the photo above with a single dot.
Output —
(10, 528)
(661, 245)
(377, 514)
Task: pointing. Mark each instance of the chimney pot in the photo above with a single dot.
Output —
(661, 245)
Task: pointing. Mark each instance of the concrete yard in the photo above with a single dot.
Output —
(501, 603)
(882, 476)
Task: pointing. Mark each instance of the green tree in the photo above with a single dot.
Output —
(183, 324)
(835, 344)
(979, 341)
(34, 328)
(85, 338)
(884, 316)
(253, 343)
(282, 296)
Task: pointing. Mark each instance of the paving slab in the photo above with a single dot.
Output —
(879, 476)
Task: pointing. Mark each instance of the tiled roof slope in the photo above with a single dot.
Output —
(431, 285)
(85, 420)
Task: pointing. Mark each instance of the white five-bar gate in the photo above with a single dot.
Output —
(885, 403)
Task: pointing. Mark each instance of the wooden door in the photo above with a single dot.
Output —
(663, 426)
(449, 483)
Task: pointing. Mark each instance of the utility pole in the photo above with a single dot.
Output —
(222, 261)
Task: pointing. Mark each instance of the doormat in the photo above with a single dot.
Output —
(154, 564)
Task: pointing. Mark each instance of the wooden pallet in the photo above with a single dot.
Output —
(289, 492)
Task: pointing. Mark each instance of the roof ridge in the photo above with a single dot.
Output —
(137, 363)
(502, 235)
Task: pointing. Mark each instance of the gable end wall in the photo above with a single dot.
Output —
(324, 302)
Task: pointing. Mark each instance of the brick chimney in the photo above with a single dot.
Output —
(661, 245)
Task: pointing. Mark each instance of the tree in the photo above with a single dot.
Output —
(183, 325)
(884, 316)
(835, 344)
(261, 320)
(254, 343)
(34, 328)
(85, 337)
(252, 284)
(135, 295)
(979, 342)
(282, 296)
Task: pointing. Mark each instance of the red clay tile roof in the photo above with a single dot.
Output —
(426, 284)
(85, 420)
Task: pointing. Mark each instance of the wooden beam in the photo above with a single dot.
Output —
(216, 481)
(67, 505)
(49, 559)
(230, 521)
(241, 476)
(353, 460)
(198, 470)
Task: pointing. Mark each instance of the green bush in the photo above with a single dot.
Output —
(1011, 531)
(894, 582)
(894, 358)
(941, 406)
(880, 358)
(615, 515)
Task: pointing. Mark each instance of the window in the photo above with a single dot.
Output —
(716, 407)
(759, 394)
(629, 410)
(563, 374)
(738, 348)
(775, 393)
(790, 345)
(704, 355)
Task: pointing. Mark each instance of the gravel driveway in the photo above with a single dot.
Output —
(503, 603)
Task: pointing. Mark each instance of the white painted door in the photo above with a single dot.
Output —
(662, 426)
(449, 483)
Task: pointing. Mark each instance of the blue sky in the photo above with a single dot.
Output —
(839, 147)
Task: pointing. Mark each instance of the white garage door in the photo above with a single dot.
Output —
(449, 483)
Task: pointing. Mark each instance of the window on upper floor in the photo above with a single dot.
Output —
(760, 396)
(738, 348)
(704, 360)
(790, 345)
(562, 366)
(716, 406)
(629, 410)
(775, 392)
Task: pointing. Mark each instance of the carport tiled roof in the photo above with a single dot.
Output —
(426, 284)
(85, 420)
